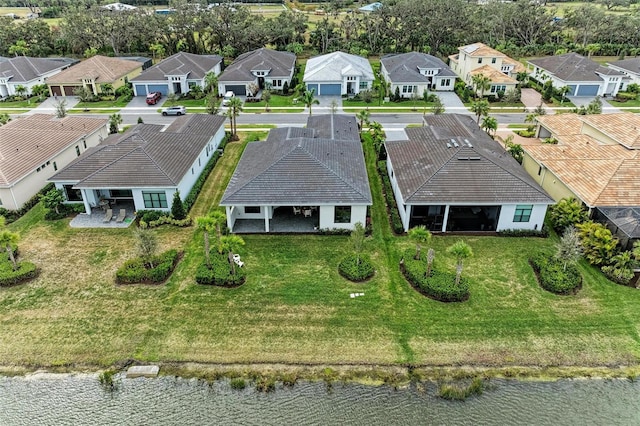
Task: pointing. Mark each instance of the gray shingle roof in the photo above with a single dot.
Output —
(300, 170)
(428, 171)
(632, 65)
(195, 66)
(573, 67)
(279, 63)
(334, 126)
(23, 69)
(403, 68)
(143, 156)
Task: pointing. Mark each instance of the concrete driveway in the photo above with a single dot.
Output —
(452, 102)
(325, 104)
(585, 100)
(141, 102)
(530, 98)
(48, 106)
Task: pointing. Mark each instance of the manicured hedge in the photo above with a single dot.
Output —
(439, 285)
(351, 269)
(13, 215)
(220, 272)
(9, 277)
(553, 276)
(65, 210)
(392, 207)
(135, 271)
(542, 233)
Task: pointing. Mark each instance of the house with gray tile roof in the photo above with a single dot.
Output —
(28, 72)
(300, 180)
(338, 73)
(583, 76)
(145, 165)
(177, 74)
(416, 72)
(262, 67)
(452, 177)
(630, 68)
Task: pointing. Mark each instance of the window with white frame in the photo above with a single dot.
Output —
(364, 85)
(498, 88)
(445, 82)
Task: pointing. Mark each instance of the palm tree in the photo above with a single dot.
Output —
(421, 235)
(206, 224)
(489, 124)
(438, 106)
(363, 116)
(480, 108)
(231, 243)
(233, 111)
(481, 82)
(114, 122)
(219, 219)
(7, 240)
(211, 83)
(309, 99)
(21, 90)
(563, 91)
(431, 255)
(266, 97)
(106, 88)
(461, 251)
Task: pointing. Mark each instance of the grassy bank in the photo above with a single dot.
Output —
(295, 308)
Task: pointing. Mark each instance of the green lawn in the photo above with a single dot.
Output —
(295, 307)
(32, 102)
(202, 103)
(120, 102)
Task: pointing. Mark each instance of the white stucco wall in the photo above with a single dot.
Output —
(535, 221)
(327, 217)
(402, 209)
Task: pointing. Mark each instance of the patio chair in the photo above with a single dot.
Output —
(296, 210)
(108, 216)
(307, 212)
(121, 216)
(236, 259)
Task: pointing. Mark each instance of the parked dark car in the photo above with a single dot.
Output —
(153, 98)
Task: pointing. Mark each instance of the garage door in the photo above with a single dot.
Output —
(588, 90)
(313, 87)
(141, 90)
(237, 89)
(68, 90)
(162, 88)
(56, 91)
(330, 89)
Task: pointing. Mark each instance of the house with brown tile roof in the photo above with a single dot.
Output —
(478, 58)
(92, 73)
(145, 166)
(450, 176)
(33, 148)
(596, 159)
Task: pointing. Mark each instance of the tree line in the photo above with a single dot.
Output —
(433, 26)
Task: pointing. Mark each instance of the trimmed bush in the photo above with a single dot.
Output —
(554, 277)
(65, 210)
(439, 285)
(220, 272)
(542, 233)
(351, 269)
(135, 271)
(25, 272)
(164, 220)
(392, 207)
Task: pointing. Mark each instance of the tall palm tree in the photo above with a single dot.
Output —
(490, 125)
(309, 99)
(481, 82)
(233, 111)
(461, 251)
(211, 83)
(231, 243)
(420, 235)
(7, 240)
(363, 117)
(206, 224)
(219, 219)
(480, 108)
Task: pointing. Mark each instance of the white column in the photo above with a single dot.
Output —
(266, 218)
(229, 210)
(407, 217)
(87, 206)
(446, 218)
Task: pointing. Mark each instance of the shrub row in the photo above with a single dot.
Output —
(25, 272)
(542, 233)
(220, 273)
(197, 187)
(65, 210)
(166, 219)
(13, 215)
(439, 285)
(554, 277)
(392, 207)
(135, 270)
(351, 269)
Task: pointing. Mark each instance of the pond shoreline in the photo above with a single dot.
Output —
(394, 375)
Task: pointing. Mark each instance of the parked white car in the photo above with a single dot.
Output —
(174, 110)
(227, 97)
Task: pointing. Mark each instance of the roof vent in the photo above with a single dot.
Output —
(455, 144)
(468, 143)
(469, 158)
(448, 145)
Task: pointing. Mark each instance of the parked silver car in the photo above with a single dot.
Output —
(174, 110)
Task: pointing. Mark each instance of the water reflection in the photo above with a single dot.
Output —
(80, 400)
